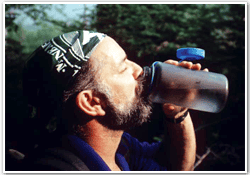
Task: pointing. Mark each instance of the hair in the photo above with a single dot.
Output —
(85, 79)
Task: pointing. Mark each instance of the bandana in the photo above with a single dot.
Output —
(56, 62)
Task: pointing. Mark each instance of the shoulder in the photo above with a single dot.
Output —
(53, 159)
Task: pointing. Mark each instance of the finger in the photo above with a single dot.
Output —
(196, 66)
(173, 62)
(186, 64)
(206, 70)
(172, 111)
(168, 108)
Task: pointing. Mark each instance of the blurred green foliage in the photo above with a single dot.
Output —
(147, 32)
(159, 29)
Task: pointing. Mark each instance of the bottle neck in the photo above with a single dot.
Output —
(147, 74)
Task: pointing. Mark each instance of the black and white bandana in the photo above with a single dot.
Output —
(58, 60)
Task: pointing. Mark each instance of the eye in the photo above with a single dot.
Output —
(124, 70)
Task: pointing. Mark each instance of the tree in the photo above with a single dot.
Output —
(147, 32)
(22, 128)
(156, 29)
(150, 32)
(19, 43)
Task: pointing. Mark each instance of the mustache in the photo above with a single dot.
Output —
(140, 90)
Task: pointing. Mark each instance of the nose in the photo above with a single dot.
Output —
(137, 70)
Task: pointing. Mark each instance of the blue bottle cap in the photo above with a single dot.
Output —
(190, 54)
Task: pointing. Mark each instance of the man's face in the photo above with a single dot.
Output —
(121, 86)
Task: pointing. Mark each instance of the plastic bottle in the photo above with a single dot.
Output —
(198, 90)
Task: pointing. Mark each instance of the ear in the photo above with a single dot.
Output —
(89, 104)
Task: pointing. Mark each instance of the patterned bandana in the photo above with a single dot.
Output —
(56, 62)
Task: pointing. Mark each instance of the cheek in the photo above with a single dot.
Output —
(123, 91)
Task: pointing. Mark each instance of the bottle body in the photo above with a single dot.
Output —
(198, 90)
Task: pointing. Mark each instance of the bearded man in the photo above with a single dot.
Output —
(99, 93)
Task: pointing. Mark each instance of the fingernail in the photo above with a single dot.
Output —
(206, 69)
(169, 107)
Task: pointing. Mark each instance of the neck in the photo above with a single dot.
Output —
(104, 141)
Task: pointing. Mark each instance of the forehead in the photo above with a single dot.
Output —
(108, 52)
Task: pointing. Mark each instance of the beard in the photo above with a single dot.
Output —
(131, 114)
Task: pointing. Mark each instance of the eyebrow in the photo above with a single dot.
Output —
(123, 60)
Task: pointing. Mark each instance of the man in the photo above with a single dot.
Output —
(102, 95)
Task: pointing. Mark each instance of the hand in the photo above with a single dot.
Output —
(171, 110)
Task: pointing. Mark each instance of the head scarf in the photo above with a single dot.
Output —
(56, 62)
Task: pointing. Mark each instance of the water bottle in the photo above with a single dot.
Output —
(198, 90)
